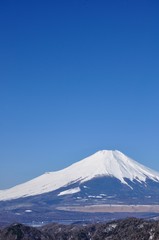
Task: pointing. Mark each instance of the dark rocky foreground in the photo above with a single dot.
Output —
(128, 229)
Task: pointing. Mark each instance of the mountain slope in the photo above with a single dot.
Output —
(127, 229)
(106, 163)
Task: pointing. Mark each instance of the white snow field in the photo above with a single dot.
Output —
(102, 163)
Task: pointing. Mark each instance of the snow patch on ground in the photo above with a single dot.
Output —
(70, 191)
(28, 211)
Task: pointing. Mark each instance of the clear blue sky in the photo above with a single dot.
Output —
(77, 76)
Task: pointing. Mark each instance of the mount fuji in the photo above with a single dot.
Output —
(105, 167)
(106, 177)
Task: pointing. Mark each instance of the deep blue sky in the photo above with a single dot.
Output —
(77, 76)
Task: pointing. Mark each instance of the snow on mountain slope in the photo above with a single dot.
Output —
(69, 191)
(102, 163)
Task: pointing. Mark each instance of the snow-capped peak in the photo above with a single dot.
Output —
(102, 163)
(115, 164)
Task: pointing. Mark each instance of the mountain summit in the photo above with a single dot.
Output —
(101, 174)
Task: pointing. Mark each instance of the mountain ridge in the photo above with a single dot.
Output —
(104, 163)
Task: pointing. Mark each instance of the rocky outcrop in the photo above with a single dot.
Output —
(128, 229)
(22, 232)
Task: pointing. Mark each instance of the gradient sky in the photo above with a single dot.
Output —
(77, 76)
